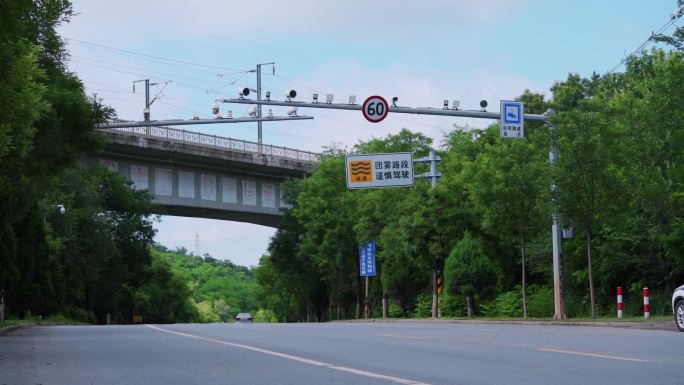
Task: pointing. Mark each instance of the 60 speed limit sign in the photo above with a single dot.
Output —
(375, 109)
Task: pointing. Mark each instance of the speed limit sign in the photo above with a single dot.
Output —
(375, 109)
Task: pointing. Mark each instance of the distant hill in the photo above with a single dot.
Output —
(219, 288)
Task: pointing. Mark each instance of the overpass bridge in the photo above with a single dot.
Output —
(206, 176)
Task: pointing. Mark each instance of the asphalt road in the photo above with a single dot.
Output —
(340, 353)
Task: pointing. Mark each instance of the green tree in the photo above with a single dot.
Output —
(468, 272)
(507, 182)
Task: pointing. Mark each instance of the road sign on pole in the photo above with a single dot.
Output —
(512, 114)
(367, 259)
(375, 109)
(380, 170)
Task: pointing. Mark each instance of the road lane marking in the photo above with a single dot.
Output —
(241, 346)
(400, 336)
(376, 375)
(620, 358)
(294, 358)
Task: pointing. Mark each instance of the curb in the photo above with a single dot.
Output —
(8, 329)
(652, 325)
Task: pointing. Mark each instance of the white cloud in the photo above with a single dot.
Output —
(241, 243)
(216, 19)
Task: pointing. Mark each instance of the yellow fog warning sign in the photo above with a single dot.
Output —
(360, 171)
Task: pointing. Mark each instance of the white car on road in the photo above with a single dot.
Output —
(678, 307)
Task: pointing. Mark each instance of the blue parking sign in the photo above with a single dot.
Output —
(512, 119)
(367, 259)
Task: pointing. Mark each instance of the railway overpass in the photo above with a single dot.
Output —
(198, 175)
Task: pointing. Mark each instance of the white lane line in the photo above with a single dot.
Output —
(247, 347)
(620, 358)
(400, 336)
(294, 358)
(377, 375)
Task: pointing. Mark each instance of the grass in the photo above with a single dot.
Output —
(57, 319)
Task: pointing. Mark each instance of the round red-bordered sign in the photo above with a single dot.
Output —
(375, 109)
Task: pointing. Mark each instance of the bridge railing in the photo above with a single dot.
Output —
(184, 136)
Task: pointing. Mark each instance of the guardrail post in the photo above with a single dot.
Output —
(619, 302)
(647, 306)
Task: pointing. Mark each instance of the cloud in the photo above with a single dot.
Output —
(216, 19)
(241, 243)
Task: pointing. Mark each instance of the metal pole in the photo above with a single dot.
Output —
(147, 99)
(366, 310)
(559, 306)
(258, 74)
(392, 109)
(433, 168)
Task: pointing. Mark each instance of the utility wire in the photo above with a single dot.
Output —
(100, 63)
(643, 45)
(102, 46)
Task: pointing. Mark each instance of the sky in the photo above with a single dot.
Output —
(422, 52)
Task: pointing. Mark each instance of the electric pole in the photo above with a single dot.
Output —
(259, 115)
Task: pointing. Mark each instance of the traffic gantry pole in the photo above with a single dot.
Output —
(556, 238)
(392, 109)
(433, 159)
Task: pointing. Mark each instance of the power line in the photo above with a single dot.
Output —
(102, 46)
(100, 63)
(643, 45)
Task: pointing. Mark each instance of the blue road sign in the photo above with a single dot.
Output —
(367, 259)
(512, 118)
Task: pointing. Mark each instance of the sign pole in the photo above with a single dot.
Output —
(366, 310)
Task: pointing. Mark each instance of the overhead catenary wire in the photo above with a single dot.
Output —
(114, 49)
(646, 42)
(101, 63)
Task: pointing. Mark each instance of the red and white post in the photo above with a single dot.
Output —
(647, 308)
(619, 301)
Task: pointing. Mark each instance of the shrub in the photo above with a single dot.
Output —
(265, 316)
(508, 304)
(423, 306)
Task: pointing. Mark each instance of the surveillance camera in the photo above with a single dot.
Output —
(252, 111)
(483, 103)
(268, 95)
(243, 91)
(292, 111)
(215, 108)
(195, 116)
(291, 94)
(146, 114)
(394, 101)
